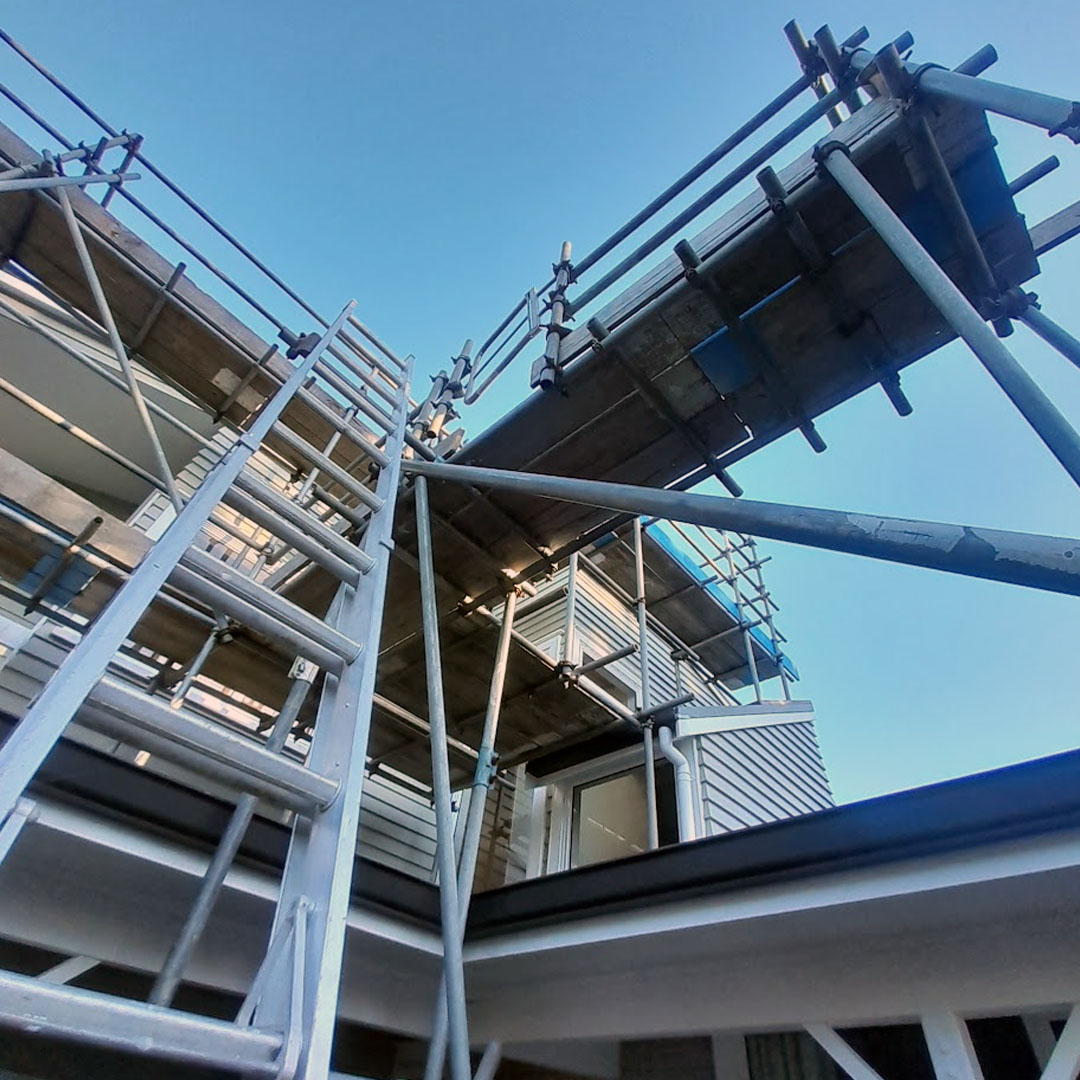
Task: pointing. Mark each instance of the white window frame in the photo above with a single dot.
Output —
(562, 785)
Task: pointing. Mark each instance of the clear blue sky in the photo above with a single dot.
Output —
(429, 158)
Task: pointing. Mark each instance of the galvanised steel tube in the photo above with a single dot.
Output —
(45, 183)
(453, 970)
(1039, 411)
(651, 824)
(1056, 115)
(474, 823)
(117, 343)
(168, 979)
(1038, 562)
(740, 135)
(722, 187)
(1052, 334)
(29, 744)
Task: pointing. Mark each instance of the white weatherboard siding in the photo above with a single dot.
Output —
(397, 825)
(753, 775)
(604, 624)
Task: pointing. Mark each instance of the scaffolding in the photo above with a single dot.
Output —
(334, 415)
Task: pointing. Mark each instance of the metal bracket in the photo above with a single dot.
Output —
(304, 669)
(533, 306)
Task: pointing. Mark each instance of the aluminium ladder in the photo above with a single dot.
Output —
(285, 1026)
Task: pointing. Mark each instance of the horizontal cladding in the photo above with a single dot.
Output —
(752, 776)
(397, 826)
(604, 623)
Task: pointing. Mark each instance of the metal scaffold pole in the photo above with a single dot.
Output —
(651, 821)
(164, 468)
(1022, 390)
(1039, 562)
(1053, 334)
(474, 821)
(453, 971)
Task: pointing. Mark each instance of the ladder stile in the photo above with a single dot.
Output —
(37, 732)
(286, 1024)
(319, 865)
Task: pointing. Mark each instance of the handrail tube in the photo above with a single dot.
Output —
(703, 202)
(738, 136)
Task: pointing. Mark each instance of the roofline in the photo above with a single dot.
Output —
(1024, 800)
(1028, 799)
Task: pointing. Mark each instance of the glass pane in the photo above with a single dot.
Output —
(609, 817)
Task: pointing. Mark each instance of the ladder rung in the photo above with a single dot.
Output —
(345, 426)
(206, 747)
(371, 358)
(384, 389)
(358, 516)
(317, 458)
(270, 508)
(226, 589)
(354, 397)
(85, 1016)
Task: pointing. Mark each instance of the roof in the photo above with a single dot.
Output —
(1030, 799)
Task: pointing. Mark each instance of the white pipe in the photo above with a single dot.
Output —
(684, 786)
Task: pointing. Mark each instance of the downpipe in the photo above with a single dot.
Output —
(684, 786)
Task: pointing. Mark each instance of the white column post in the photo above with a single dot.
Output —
(949, 1043)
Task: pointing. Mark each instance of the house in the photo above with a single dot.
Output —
(336, 741)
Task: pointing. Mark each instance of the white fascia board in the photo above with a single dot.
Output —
(692, 720)
(177, 858)
(838, 890)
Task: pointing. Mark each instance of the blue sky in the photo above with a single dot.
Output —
(429, 159)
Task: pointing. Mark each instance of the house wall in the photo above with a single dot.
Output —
(755, 775)
(603, 624)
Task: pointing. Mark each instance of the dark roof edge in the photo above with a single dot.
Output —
(1031, 798)
(78, 775)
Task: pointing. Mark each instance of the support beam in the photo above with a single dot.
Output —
(474, 824)
(1056, 229)
(1039, 411)
(1064, 1063)
(1041, 1036)
(71, 968)
(829, 1041)
(729, 1057)
(1056, 336)
(453, 971)
(950, 1046)
(1039, 562)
